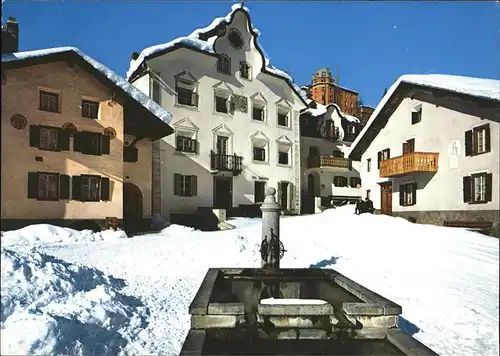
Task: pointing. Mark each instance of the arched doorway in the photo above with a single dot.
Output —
(132, 202)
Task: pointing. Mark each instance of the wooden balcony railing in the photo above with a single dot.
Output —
(409, 163)
(328, 161)
(228, 163)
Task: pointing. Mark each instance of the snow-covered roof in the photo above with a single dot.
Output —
(119, 81)
(478, 87)
(194, 41)
(322, 109)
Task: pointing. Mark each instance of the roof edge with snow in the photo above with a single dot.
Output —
(192, 43)
(158, 119)
(440, 85)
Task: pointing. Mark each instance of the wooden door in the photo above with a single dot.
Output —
(386, 198)
(132, 201)
(223, 193)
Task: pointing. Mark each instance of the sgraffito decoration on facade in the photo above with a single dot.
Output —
(19, 121)
(70, 127)
(111, 132)
(454, 150)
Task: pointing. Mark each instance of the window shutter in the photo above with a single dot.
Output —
(32, 185)
(177, 184)
(194, 186)
(34, 136)
(64, 187)
(468, 143)
(467, 186)
(487, 139)
(77, 142)
(406, 148)
(289, 202)
(489, 187)
(130, 154)
(105, 144)
(76, 188)
(63, 140)
(401, 195)
(279, 193)
(353, 182)
(379, 158)
(194, 99)
(414, 192)
(105, 196)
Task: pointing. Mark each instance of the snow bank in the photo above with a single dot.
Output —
(446, 280)
(135, 93)
(322, 109)
(194, 41)
(53, 307)
(49, 234)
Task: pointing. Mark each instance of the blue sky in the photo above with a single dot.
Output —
(371, 43)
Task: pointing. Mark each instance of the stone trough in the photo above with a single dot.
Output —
(279, 311)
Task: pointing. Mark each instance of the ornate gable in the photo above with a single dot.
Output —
(223, 129)
(284, 140)
(185, 123)
(258, 97)
(259, 136)
(185, 75)
(223, 86)
(284, 104)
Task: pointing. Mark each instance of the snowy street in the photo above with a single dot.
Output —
(132, 295)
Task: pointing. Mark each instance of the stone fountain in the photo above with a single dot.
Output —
(283, 311)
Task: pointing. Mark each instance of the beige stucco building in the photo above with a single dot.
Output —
(76, 141)
(430, 151)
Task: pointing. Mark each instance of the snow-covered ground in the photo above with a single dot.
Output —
(61, 294)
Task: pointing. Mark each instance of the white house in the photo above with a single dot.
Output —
(236, 119)
(327, 173)
(430, 150)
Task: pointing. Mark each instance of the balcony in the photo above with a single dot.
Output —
(409, 163)
(227, 163)
(328, 162)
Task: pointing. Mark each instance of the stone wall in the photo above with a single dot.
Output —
(439, 217)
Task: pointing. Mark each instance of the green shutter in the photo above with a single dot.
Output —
(64, 187)
(105, 191)
(32, 185)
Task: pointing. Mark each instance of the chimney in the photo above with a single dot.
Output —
(10, 36)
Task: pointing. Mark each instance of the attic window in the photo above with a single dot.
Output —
(224, 64)
(235, 39)
(245, 70)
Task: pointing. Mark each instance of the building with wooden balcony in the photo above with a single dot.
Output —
(328, 176)
(430, 151)
(236, 120)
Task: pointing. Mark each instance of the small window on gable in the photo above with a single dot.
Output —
(49, 101)
(186, 92)
(90, 109)
(224, 64)
(245, 70)
(416, 114)
(235, 39)
(156, 89)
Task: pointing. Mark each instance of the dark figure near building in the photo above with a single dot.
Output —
(365, 206)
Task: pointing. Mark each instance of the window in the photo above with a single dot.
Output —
(90, 109)
(186, 94)
(258, 111)
(259, 191)
(284, 153)
(221, 103)
(91, 143)
(186, 144)
(235, 39)
(130, 154)
(340, 181)
(383, 155)
(90, 188)
(351, 129)
(185, 186)
(416, 114)
(224, 64)
(369, 165)
(222, 145)
(48, 186)
(478, 140)
(283, 117)
(156, 95)
(368, 191)
(48, 138)
(245, 72)
(259, 154)
(408, 194)
(354, 181)
(477, 188)
(49, 101)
